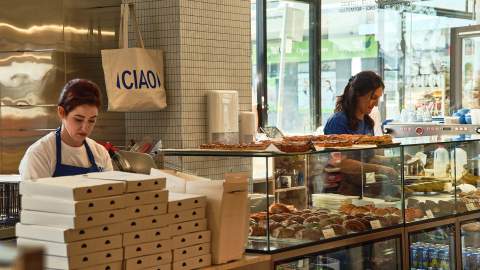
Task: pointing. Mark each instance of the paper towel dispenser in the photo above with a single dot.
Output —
(222, 113)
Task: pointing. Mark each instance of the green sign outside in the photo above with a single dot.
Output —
(335, 49)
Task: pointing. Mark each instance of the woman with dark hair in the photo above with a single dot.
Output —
(352, 110)
(351, 116)
(68, 150)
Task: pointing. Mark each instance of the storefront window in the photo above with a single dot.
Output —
(289, 93)
(406, 42)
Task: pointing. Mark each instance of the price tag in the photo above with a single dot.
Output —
(375, 224)
(370, 178)
(429, 213)
(471, 207)
(328, 233)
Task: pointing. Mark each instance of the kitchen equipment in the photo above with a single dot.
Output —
(441, 160)
(401, 130)
(222, 114)
(9, 204)
(136, 162)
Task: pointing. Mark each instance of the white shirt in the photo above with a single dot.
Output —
(40, 158)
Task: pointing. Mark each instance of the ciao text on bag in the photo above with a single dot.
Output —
(135, 80)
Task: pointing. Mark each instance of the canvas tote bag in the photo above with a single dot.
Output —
(134, 77)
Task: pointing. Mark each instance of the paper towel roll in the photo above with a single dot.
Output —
(247, 127)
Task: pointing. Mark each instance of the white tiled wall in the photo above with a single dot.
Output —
(207, 47)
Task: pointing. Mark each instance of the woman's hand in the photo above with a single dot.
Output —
(388, 171)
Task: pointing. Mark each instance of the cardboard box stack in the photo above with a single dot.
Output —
(189, 235)
(146, 237)
(79, 221)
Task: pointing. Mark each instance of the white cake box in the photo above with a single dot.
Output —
(191, 239)
(74, 248)
(72, 221)
(63, 235)
(187, 215)
(139, 237)
(181, 201)
(160, 267)
(147, 248)
(74, 188)
(193, 263)
(69, 207)
(189, 252)
(188, 227)
(148, 261)
(135, 182)
(146, 210)
(85, 260)
(176, 181)
(110, 266)
(146, 197)
(145, 223)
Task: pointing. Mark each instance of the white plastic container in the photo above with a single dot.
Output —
(441, 160)
(475, 113)
(458, 162)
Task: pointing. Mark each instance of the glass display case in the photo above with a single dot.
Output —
(326, 193)
(432, 248)
(429, 178)
(470, 244)
(378, 255)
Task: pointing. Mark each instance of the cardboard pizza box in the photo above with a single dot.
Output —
(109, 266)
(190, 252)
(146, 197)
(74, 248)
(139, 237)
(146, 210)
(188, 227)
(85, 260)
(187, 215)
(135, 182)
(64, 235)
(72, 221)
(69, 207)
(160, 267)
(74, 188)
(148, 261)
(182, 201)
(145, 249)
(191, 239)
(193, 263)
(145, 223)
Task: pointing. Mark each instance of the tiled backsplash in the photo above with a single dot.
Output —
(207, 47)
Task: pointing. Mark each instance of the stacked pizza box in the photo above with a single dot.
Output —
(146, 237)
(189, 235)
(79, 221)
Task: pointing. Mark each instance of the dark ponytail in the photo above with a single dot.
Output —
(364, 83)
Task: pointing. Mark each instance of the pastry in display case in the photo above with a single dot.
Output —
(432, 249)
(467, 176)
(429, 180)
(329, 194)
(378, 255)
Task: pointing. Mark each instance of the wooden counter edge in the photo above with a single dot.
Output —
(246, 260)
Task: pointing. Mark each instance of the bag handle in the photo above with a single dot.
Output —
(125, 11)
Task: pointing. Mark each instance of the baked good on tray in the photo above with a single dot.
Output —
(294, 147)
(237, 147)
